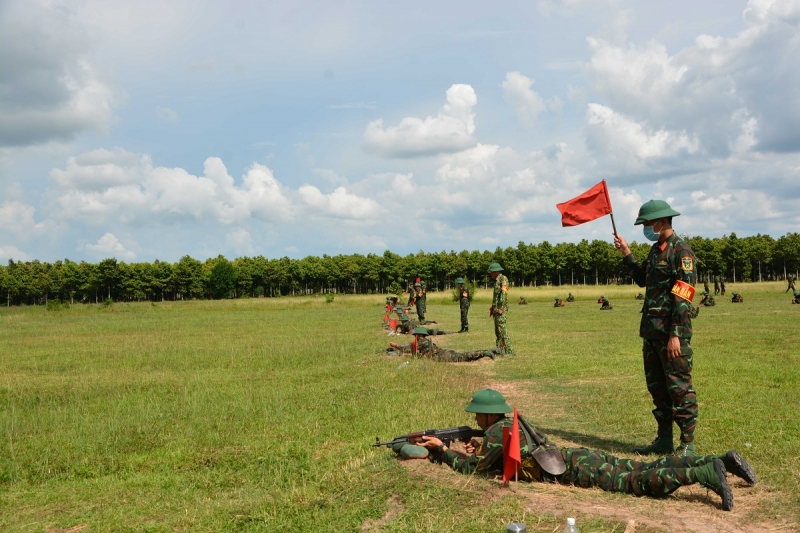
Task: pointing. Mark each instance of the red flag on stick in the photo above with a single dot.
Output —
(589, 206)
(512, 457)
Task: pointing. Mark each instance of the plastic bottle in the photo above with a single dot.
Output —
(402, 366)
(570, 527)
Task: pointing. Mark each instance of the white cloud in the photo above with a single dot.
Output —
(628, 143)
(12, 252)
(339, 203)
(525, 101)
(100, 186)
(17, 218)
(49, 89)
(450, 131)
(707, 203)
(166, 115)
(240, 241)
(109, 246)
(729, 92)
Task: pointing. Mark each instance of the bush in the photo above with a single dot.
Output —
(329, 297)
(395, 288)
(109, 302)
(259, 291)
(54, 304)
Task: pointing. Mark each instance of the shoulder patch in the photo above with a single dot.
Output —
(687, 264)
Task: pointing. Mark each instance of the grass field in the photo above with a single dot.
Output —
(257, 415)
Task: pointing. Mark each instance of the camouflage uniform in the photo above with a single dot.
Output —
(665, 315)
(500, 301)
(419, 299)
(424, 298)
(716, 285)
(558, 303)
(406, 326)
(522, 301)
(790, 281)
(736, 298)
(606, 305)
(585, 468)
(796, 299)
(463, 303)
(570, 298)
(722, 285)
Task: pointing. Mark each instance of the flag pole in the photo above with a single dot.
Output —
(613, 224)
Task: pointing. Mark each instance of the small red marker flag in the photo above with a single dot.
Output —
(512, 457)
(589, 206)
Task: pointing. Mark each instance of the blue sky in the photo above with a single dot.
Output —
(159, 129)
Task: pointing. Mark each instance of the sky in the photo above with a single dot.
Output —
(151, 130)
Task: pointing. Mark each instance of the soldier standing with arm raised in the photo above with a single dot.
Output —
(463, 303)
(669, 276)
(499, 309)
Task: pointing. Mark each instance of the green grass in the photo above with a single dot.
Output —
(257, 415)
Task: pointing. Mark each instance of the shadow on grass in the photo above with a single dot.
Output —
(591, 441)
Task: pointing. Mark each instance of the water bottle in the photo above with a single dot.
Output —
(570, 527)
(516, 527)
(402, 366)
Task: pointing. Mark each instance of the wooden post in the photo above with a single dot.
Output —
(613, 224)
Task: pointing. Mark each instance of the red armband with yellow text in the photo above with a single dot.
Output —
(681, 289)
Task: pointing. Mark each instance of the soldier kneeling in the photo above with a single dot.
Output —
(640, 296)
(570, 297)
(606, 305)
(559, 303)
(522, 301)
(736, 298)
(796, 299)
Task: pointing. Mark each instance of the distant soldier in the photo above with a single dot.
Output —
(424, 299)
(522, 301)
(605, 304)
(790, 281)
(639, 296)
(716, 285)
(463, 304)
(405, 325)
(796, 299)
(722, 285)
(736, 298)
(412, 294)
(707, 300)
(705, 285)
(559, 303)
(570, 297)
(418, 301)
(500, 308)
(422, 347)
(669, 274)
(694, 312)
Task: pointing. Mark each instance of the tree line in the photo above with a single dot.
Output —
(755, 258)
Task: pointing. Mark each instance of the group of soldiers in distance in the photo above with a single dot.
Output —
(669, 275)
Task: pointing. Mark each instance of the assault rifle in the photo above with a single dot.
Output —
(447, 436)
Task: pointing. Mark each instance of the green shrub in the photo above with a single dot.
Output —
(329, 297)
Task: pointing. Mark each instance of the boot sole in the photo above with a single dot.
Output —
(739, 467)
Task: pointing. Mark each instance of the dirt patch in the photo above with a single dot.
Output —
(395, 509)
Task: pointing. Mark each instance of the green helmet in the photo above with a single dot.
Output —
(403, 318)
(488, 401)
(417, 285)
(460, 281)
(420, 331)
(653, 210)
(495, 267)
(602, 297)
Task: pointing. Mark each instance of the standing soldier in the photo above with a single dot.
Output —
(424, 298)
(716, 285)
(790, 281)
(722, 284)
(499, 309)
(669, 276)
(463, 303)
(418, 302)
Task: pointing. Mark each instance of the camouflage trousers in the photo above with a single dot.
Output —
(592, 468)
(420, 310)
(501, 335)
(670, 385)
(451, 356)
(464, 313)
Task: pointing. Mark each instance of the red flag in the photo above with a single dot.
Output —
(512, 457)
(589, 206)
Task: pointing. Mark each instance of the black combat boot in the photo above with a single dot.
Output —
(713, 476)
(736, 465)
(661, 445)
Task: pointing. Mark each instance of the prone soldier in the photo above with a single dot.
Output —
(707, 300)
(422, 347)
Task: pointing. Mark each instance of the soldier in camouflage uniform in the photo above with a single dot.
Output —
(559, 302)
(606, 305)
(499, 309)
(669, 277)
(736, 298)
(707, 300)
(418, 301)
(424, 298)
(463, 304)
(716, 285)
(586, 468)
(405, 325)
(639, 296)
(722, 285)
(790, 281)
(422, 347)
(522, 301)
(570, 297)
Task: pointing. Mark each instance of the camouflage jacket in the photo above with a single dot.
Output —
(464, 299)
(407, 326)
(488, 458)
(667, 303)
(500, 296)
